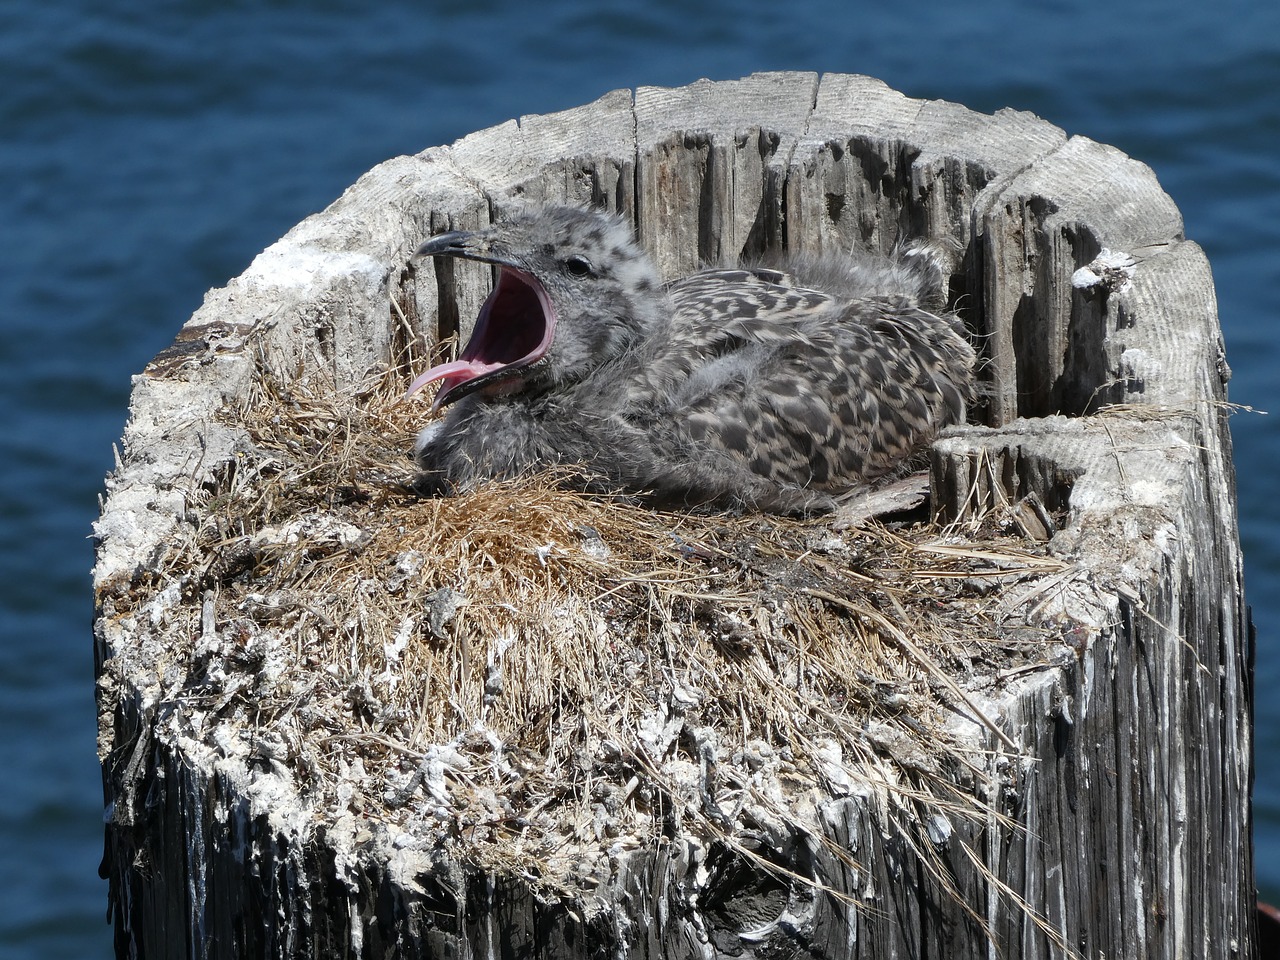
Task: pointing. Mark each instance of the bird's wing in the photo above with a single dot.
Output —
(847, 404)
(717, 313)
(803, 389)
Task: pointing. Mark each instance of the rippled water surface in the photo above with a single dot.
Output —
(147, 156)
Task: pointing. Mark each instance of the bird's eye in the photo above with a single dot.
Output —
(578, 266)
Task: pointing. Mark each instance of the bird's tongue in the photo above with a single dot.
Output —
(453, 373)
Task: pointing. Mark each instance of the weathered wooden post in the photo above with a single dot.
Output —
(338, 721)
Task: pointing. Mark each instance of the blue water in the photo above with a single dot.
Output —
(147, 156)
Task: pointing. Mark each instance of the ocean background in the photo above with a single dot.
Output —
(149, 151)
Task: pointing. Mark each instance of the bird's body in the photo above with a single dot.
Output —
(772, 388)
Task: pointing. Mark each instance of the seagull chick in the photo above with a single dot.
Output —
(778, 389)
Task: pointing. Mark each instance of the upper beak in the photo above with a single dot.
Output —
(464, 244)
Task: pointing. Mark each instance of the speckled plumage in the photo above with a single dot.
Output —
(772, 388)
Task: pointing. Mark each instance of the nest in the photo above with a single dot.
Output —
(534, 680)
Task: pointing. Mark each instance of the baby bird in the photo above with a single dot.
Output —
(775, 389)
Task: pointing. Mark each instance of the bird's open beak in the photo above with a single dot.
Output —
(513, 331)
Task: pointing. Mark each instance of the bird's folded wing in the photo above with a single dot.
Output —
(803, 388)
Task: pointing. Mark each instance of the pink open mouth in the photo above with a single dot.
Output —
(513, 332)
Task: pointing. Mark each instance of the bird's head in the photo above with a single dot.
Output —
(573, 292)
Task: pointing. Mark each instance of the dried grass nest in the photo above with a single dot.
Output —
(537, 681)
